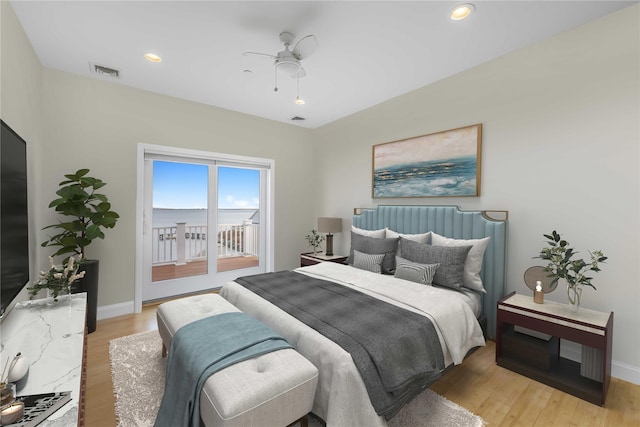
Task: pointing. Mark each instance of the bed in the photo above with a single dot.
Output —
(342, 398)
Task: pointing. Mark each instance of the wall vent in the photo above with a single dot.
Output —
(104, 70)
(297, 118)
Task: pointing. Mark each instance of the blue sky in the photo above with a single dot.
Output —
(184, 186)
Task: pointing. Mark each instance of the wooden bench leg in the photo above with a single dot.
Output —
(164, 350)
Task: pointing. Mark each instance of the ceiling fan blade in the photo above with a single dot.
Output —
(299, 74)
(258, 53)
(305, 47)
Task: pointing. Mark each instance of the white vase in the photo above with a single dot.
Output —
(574, 293)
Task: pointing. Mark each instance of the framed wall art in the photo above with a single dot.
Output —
(443, 164)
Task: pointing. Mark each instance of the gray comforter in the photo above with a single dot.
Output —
(396, 362)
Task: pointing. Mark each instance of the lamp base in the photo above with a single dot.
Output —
(329, 249)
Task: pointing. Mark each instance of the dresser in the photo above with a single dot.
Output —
(53, 338)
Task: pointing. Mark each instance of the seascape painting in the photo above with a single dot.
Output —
(443, 164)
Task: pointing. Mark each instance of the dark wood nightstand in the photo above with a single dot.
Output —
(540, 359)
(309, 258)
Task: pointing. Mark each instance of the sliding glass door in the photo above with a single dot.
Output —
(180, 219)
(204, 222)
(238, 218)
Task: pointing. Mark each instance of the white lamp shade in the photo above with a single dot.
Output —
(329, 225)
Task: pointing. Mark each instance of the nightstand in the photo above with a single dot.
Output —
(309, 258)
(528, 342)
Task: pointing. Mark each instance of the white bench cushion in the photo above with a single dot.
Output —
(175, 314)
(274, 389)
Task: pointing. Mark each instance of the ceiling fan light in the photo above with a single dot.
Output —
(152, 57)
(288, 67)
(462, 11)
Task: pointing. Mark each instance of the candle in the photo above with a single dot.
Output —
(538, 295)
(11, 413)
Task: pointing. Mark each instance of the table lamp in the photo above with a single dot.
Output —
(329, 226)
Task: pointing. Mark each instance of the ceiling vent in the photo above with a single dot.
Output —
(297, 118)
(104, 71)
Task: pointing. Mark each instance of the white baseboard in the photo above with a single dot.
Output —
(114, 310)
(569, 350)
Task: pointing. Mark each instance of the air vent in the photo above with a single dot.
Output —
(297, 118)
(104, 70)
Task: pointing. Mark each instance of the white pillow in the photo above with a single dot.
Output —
(419, 238)
(376, 234)
(473, 264)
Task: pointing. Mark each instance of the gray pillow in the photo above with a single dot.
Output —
(415, 272)
(450, 272)
(370, 245)
(369, 262)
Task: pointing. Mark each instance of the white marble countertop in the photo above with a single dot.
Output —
(51, 336)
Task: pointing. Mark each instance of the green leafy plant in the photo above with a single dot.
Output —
(562, 266)
(57, 279)
(88, 212)
(314, 240)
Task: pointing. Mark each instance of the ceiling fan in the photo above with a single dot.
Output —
(289, 61)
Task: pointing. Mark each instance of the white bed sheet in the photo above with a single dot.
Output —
(474, 299)
(341, 398)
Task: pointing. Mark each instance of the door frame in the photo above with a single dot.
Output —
(143, 225)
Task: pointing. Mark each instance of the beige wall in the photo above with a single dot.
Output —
(560, 150)
(561, 123)
(98, 125)
(73, 122)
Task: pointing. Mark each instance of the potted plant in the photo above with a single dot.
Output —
(573, 271)
(57, 279)
(314, 240)
(86, 214)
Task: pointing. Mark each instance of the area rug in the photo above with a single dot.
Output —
(138, 372)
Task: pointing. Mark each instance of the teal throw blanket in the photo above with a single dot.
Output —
(201, 348)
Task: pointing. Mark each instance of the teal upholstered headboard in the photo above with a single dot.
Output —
(452, 222)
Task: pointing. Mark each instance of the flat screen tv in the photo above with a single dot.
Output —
(14, 217)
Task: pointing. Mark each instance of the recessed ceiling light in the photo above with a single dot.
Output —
(462, 11)
(152, 57)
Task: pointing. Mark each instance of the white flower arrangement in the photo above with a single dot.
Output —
(57, 279)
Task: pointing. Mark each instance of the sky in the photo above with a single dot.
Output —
(450, 144)
(184, 186)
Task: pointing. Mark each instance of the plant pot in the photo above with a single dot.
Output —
(89, 284)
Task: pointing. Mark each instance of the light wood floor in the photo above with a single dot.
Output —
(501, 397)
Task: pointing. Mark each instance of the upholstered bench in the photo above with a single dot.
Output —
(275, 389)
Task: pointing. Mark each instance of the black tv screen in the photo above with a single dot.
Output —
(14, 217)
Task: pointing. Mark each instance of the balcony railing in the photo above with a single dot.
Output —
(182, 243)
